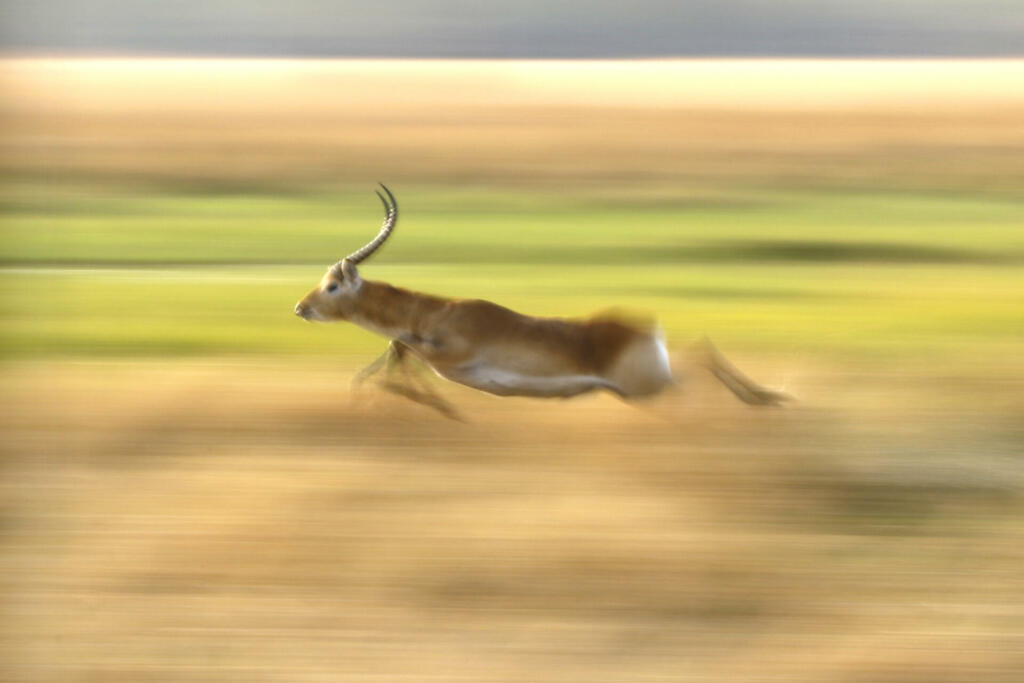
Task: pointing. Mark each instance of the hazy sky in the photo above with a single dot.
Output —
(516, 28)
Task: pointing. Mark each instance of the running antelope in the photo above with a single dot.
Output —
(491, 348)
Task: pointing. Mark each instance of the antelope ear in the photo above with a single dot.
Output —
(350, 271)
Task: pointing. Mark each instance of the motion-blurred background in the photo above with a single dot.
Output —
(832, 193)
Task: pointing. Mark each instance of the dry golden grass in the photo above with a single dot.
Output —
(219, 521)
(887, 123)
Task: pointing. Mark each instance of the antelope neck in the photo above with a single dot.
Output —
(392, 311)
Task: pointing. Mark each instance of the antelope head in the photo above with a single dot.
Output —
(334, 298)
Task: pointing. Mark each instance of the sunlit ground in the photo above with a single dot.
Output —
(192, 491)
(219, 521)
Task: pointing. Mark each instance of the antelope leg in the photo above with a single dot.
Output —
(745, 389)
(397, 358)
(370, 370)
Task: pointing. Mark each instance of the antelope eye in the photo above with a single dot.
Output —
(332, 287)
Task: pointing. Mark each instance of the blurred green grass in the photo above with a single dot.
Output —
(475, 225)
(97, 273)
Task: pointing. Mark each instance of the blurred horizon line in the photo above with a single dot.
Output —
(770, 82)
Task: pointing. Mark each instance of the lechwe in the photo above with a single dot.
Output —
(491, 348)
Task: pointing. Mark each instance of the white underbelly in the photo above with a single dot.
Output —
(504, 382)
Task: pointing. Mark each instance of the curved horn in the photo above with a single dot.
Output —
(390, 218)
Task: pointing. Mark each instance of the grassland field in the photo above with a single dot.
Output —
(191, 491)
